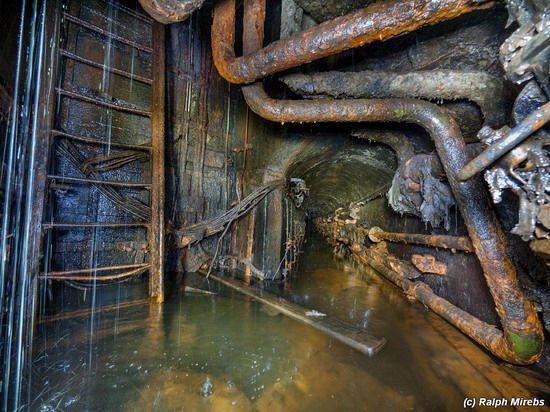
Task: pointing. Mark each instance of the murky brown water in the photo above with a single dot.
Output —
(142, 357)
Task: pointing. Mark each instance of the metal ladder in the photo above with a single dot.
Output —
(105, 152)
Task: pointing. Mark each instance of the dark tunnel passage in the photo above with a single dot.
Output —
(339, 171)
(274, 205)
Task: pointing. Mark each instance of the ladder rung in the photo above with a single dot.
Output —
(101, 182)
(122, 108)
(132, 76)
(99, 141)
(106, 33)
(93, 270)
(129, 11)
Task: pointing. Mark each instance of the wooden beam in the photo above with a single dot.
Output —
(355, 337)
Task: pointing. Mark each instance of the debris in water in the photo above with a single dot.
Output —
(315, 313)
(207, 388)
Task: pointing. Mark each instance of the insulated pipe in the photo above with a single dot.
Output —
(438, 241)
(485, 90)
(518, 134)
(170, 11)
(522, 339)
(378, 21)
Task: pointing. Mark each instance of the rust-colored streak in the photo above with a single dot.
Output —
(254, 12)
(378, 21)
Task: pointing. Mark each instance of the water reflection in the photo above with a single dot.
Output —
(225, 352)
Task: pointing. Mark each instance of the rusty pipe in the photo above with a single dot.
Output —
(376, 234)
(378, 21)
(483, 333)
(485, 90)
(523, 334)
(518, 134)
(170, 11)
(522, 337)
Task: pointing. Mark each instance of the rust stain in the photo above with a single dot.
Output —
(428, 264)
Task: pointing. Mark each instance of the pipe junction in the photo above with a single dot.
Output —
(521, 339)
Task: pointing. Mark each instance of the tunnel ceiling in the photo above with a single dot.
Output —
(340, 172)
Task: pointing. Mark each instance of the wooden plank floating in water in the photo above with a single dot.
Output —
(352, 336)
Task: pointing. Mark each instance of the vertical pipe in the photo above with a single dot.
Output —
(27, 294)
(7, 212)
(156, 234)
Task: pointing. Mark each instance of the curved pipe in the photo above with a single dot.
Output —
(170, 11)
(382, 20)
(521, 340)
(487, 91)
(398, 142)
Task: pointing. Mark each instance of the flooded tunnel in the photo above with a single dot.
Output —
(274, 205)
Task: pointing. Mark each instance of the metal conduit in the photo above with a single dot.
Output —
(379, 21)
(522, 336)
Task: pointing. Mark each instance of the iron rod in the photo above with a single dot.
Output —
(156, 235)
(88, 99)
(105, 278)
(132, 76)
(379, 20)
(101, 182)
(106, 33)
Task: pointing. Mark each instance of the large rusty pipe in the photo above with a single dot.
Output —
(522, 336)
(483, 333)
(170, 11)
(376, 234)
(485, 90)
(514, 137)
(378, 21)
